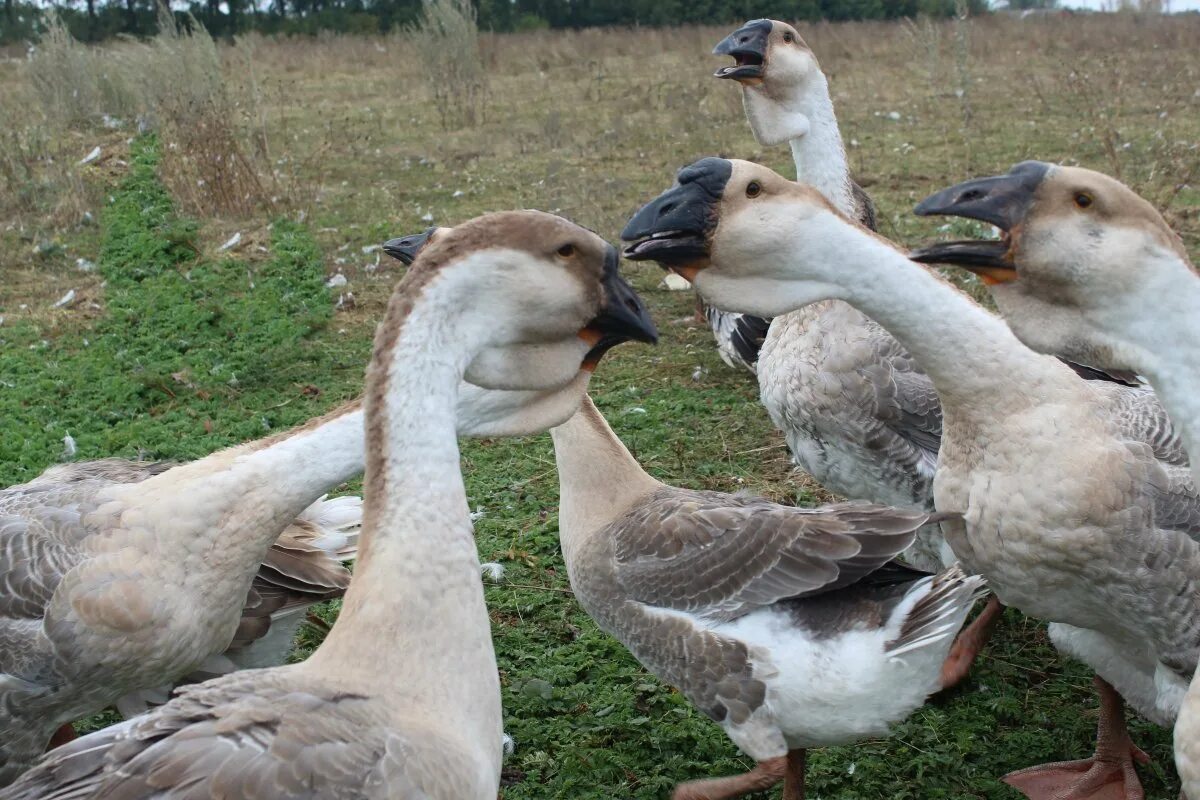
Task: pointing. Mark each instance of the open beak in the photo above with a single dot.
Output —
(406, 248)
(622, 317)
(1003, 201)
(674, 228)
(748, 47)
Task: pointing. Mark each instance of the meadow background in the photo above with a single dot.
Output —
(189, 258)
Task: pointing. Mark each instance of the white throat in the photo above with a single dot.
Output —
(804, 118)
(1157, 333)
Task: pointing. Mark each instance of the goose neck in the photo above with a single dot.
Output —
(969, 353)
(599, 479)
(416, 601)
(819, 153)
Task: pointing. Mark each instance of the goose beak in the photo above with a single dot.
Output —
(406, 248)
(1003, 201)
(748, 46)
(622, 317)
(674, 228)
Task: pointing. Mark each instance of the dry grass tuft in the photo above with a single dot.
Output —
(215, 160)
(445, 41)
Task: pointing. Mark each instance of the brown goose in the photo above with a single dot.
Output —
(1072, 514)
(129, 585)
(402, 699)
(1086, 267)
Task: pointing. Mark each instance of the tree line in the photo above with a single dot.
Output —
(94, 20)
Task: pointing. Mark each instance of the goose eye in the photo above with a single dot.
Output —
(567, 250)
(1083, 199)
(753, 189)
(787, 37)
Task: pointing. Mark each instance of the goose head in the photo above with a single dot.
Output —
(747, 238)
(406, 248)
(779, 75)
(1080, 255)
(542, 300)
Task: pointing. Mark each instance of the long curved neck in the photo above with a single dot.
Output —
(415, 607)
(820, 154)
(803, 116)
(1161, 339)
(977, 365)
(599, 479)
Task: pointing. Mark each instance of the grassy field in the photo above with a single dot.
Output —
(171, 347)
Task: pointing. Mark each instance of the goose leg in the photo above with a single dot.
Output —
(764, 776)
(61, 736)
(1108, 775)
(969, 642)
(793, 779)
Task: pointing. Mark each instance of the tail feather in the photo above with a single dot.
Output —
(940, 613)
(338, 522)
(739, 336)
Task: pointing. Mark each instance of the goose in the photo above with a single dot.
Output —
(1086, 266)
(303, 566)
(115, 589)
(785, 625)
(858, 412)
(1074, 509)
(402, 699)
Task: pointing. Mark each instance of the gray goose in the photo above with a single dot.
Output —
(1086, 267)
(1070, 513)
(402, 699)
(787, 626)
(45, 536)
(858, 412)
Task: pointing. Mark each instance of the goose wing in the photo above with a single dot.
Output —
(246, 736)
(720, 556)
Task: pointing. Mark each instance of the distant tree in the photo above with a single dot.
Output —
(1023, 4)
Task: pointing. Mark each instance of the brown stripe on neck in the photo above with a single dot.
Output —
(349, 407)
(400, 307)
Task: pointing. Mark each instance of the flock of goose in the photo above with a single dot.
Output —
(973, 463)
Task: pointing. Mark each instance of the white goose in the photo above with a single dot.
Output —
(117, 589)
(785, 625)
(1088, 268)
(787, 100)
(1072, 512)
(402, 700)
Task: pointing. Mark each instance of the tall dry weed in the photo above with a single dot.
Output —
(214, 157)
(445, 41)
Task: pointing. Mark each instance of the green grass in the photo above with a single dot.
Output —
(189, 355)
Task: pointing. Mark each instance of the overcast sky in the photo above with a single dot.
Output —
(1176, 5)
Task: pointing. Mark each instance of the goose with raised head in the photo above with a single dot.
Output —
(1087, 267)
(1069, 509)
(403, 698)
(117, 588)
(857, 412)
(788, 626)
